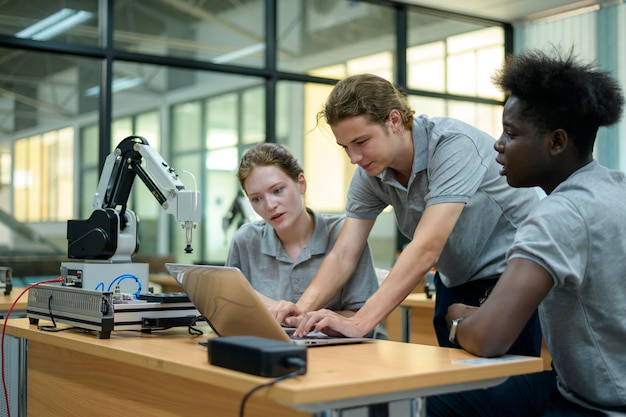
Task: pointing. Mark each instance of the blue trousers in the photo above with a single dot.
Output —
(533, 395)
(473, 293)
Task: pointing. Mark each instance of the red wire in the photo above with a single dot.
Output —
(4, 327)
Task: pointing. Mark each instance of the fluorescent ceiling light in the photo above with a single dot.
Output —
(54, 24)
(119, 84)
(240, 53)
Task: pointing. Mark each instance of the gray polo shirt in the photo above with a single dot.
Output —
(453, 162)
(257, 251)
(577, 235)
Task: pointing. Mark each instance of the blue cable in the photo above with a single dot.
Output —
(122, 278)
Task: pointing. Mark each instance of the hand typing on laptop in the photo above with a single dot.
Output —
(331, 323)
(286, 312)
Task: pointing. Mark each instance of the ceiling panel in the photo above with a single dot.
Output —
(507, 10)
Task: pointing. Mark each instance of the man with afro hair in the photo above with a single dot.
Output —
(569, 256)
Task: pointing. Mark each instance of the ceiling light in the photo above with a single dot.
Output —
(240, 53)
(54, 24)
(119, 84)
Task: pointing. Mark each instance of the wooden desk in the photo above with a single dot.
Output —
(7, 300)
(166, 374)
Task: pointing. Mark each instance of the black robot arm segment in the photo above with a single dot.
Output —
(102, 237)
(120, 169)
(239, 208)
(94, 238)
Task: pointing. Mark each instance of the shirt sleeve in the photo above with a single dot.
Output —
(363, 201)
(556, 237)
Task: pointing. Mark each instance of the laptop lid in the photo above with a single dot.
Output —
(230, 305)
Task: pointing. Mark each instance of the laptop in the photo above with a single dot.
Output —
(230, 305)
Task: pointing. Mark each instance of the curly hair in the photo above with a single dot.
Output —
(560, 93)
(368, 95)
(268, 154)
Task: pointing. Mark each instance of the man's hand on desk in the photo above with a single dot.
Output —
(331, 323)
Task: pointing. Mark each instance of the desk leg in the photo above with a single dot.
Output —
(418, 407)
(378, 410)
(16, 371)
(327, 413)
(23, 378)
(405, 314)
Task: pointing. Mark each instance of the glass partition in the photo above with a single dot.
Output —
(221, 32)
(455, 61)
(315, 34)
(197, 81)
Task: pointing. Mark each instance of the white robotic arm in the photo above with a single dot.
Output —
(111, 231)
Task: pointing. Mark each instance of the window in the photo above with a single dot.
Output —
(460, 65)
(43, 177)
(472, 58)
(5, 190)
(209, 135)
